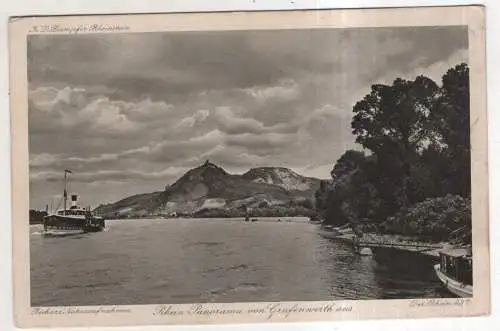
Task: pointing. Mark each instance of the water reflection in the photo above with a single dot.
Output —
(347, 275)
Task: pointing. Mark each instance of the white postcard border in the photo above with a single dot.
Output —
(26, 316)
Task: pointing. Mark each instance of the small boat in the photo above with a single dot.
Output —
(328, 231)
(343, 233)
(73, 219)
(364, 251)
(455, 271)
(315, 220)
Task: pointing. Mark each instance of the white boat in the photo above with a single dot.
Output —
(455, 271)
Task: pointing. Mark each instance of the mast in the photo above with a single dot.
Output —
(66, 172)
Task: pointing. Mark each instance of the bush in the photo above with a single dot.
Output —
(434, 219)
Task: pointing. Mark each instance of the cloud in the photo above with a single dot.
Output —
(234, 158)
(196, 119)
(133, 119)
(260, 143)
(177, 152)
(173, 65)
(97, 110)
(232, 124)
(73, 108)
(436, 70)
(285, 90)
(229, 121)
(73, 120)
(109, 175)
(325, 120)
(54, 161)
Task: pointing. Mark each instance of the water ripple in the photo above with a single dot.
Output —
(149, 262)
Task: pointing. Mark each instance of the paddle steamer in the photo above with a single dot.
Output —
(74, 219)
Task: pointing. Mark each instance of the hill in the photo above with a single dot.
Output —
(210, 191)
(138, 204)
(284, 177)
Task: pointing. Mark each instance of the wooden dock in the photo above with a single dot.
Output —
(370, 243)
(374, 243)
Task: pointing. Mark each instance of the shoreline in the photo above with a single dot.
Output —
(304, 219)
(396, 242)
(414, 244)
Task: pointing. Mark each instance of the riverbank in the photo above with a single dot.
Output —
(218, 219)
(411, 244)
(397, 242)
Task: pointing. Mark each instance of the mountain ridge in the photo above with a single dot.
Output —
(209, 190)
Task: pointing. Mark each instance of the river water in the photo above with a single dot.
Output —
(211, 260)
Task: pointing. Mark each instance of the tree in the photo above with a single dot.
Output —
(419, 139)
(349, 161)
(429, 178)
(392, 122)
(307, 203)
(451, 121)
(350, 195)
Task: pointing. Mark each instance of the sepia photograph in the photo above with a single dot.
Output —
(311, 164)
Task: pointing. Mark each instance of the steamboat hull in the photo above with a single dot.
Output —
(58, 222)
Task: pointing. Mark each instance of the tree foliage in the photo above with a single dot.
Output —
(435, 219)
(349, 161)
(451, 122)
(417, 137)
(392, 122)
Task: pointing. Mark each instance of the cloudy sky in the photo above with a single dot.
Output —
(130, 113)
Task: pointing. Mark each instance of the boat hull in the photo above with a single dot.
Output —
(329, 234)
(71, 224)
(54, 232)
(337, 235)
(457, 288)
(400, 256)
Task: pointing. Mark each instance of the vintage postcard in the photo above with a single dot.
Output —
(249, 167)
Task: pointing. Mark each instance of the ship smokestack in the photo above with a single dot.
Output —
(74, 199)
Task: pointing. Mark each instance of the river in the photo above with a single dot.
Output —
(210, 260)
